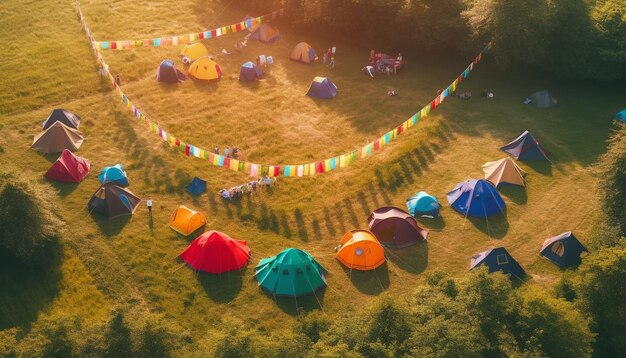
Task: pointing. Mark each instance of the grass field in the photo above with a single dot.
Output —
(131, 261)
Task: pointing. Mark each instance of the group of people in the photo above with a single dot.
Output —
(228, 152)
(247, 188)
(328, 58)
(382, 63)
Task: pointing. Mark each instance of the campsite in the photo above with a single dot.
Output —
(347, 206)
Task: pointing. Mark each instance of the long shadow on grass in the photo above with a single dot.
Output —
(221, 288)
(436, 224)
(515, 193)
(413, 259)
(372, 282)
(110, 226)
(28, 288)
(542, 167)
(64, 189)
(295, 306)
(494, 226)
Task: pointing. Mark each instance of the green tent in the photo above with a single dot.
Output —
(291, 273)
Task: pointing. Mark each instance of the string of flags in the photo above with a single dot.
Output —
(248, 23)
(296, 170)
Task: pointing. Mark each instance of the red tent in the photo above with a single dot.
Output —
(216, 252)
(68, 168)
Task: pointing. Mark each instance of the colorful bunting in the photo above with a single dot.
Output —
(253, 169)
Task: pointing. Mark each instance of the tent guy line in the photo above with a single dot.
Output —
(298, 170)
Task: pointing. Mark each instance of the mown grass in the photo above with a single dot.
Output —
(132, 261)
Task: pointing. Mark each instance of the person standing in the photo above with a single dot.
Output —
(334, 50)
(227, 152)
(149, 205)
(118, 80)
(332, 62)
(216, 150)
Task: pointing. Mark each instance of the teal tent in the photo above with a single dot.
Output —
(291, 273)
(621, 116)
(114, 174)
(423, 204)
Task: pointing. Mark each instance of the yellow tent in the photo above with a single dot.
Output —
(194, 51)
(303, 52)
(204, 69)
(186, 221)
(504, 171)
(360, 250)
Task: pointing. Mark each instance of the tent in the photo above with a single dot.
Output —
(196, 187)
(265, 33)
(423, 204)
(57, 138)
(291, 273)
(303, 52)
(525, 147)
(112, 200)
(360, 250)
(476, 197)
(564, 250)
(322, 87)
(114, 174)
(216, 252)
(621, 116)
(194, 51)
(498, 259)
(204, 69)
(542, 99)
(394, 226)
(185, 221)
(64, 116)
(250, 72)
(168, 73)
(68, 168)
(504, 171)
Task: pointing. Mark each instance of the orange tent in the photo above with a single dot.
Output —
(360, 250)
(186, 221)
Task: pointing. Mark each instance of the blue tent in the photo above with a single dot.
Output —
(196, 187)
(476, 197)
(498, 259)
(621, 116)
(168, 73)
(114, 174)
(250, 72)
(564, 250)
(525, 147)
(423, 204)
(322, 87)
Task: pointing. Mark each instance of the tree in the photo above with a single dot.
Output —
(600, 290)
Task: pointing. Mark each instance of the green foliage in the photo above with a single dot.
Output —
(600, 291)
(313, 325)
(612, 174)
(553, 326)
(28, 227)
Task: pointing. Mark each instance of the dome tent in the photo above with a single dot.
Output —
(168, 73)
(265, 33)
(114, 174)
(291, 273)
(303, 52)
(322, 87)
(477, 198)
(196, 187)
(68, 168)
(360, 250)
(497, 259)
(564, 249)
(185, 221)
(215, 252)
(194, 51)
(423, 204)
(394, 226)
(112, 200)
(250, 72)
(62, 115)
(205, 69)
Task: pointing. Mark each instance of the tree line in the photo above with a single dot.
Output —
(579, 39)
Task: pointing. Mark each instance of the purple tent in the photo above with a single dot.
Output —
(525, 147)
(395, 226)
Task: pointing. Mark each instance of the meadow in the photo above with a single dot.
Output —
(131, 261)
